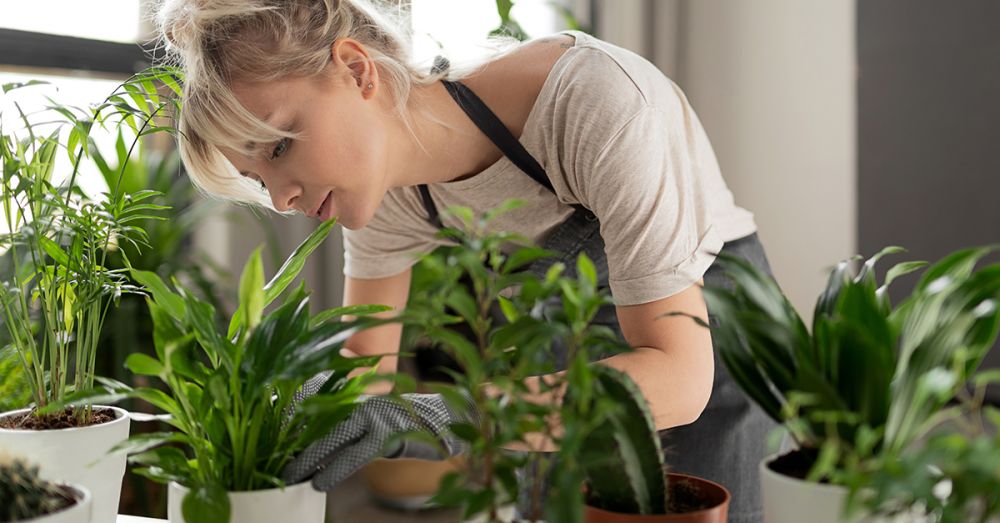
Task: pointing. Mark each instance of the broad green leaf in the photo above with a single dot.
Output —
(294, 264)
(143, 365)
(171, 302)
(252, 291)
(206, 504)
(585, 268)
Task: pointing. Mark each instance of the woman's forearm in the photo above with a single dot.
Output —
(676, 389)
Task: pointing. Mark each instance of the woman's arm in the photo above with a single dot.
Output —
(394, 292)
(672, 362)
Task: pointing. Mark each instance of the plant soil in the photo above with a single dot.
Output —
(685, 497)
(795, 464)
(59, 420)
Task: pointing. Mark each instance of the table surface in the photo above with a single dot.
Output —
(350, 501)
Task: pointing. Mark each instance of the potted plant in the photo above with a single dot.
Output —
(233, 394)
(870, 378)
(627, 479)
(56, 287)
(593, 417)
(953, 477)
(25, 496)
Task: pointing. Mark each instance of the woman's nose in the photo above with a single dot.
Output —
(284, 197)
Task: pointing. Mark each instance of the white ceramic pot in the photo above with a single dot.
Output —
(792, 500)
(77, 456)
(80, 512)
(299, 503)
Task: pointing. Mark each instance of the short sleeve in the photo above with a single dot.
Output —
(646, 186)
(391, 242)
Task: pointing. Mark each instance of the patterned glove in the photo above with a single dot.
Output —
(362, 437)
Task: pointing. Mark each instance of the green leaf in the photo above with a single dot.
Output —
(296, 261)
(585, 268)
(206, 504)
(350, 310)
(54, 251)
(171, 302)
(524, 256)
(143, 365)
(252, 291)
(142, 442)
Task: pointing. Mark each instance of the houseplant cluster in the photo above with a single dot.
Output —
(873, 394)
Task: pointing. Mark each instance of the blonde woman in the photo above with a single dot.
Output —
(314, 106)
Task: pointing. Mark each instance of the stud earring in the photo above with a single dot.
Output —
(370, 85)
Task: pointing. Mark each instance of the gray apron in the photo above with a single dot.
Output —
(728, 440)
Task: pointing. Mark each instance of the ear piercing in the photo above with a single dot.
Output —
(371, 85)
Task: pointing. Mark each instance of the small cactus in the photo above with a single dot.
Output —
(634, 480)
(24, 495)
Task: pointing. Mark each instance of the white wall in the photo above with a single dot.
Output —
(774, 84)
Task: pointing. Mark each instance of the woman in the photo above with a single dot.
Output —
(312, 106)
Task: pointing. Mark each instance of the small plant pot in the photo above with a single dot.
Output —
(78, 456)
(406, 484)
(298, 503)
(78, 512)
(714, 497)
(789, 499)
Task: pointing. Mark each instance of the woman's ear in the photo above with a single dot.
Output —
(351, 61)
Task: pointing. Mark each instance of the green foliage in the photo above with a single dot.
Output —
(870, 377)
(232, 398)
(953, 478)
(516, 318)
(14, 391)
(57, 284)
(24, 494)
(510, 27)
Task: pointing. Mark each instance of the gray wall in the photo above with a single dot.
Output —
(929, 127)
(773, 82)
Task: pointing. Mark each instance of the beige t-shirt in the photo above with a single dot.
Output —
(613, 134)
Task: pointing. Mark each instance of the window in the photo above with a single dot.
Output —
(82, 51)
(453, 28)
(113, 20)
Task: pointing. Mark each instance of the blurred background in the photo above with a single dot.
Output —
(844, 126)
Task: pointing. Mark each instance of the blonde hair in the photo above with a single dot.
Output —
(217, 41)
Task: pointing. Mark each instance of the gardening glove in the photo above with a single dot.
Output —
(363, 436)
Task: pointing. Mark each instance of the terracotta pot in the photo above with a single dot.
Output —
(296, 503)
(78, 456)
(78, 512)
(714, 495)
(406, 484)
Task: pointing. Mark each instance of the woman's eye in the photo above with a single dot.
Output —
(280, 148)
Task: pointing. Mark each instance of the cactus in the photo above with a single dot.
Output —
(24, 495)
(632, 479)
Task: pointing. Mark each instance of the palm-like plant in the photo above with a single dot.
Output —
(870, 377)
(58, 286)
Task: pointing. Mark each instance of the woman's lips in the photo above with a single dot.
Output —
(325, 209)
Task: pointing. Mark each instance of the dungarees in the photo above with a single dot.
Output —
(728, 441)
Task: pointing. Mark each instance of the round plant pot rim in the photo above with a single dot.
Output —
(83, 497)
(294, 486)
(679, 475)
(121, 415)
(765, 468)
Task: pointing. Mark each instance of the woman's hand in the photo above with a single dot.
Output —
(364, 436)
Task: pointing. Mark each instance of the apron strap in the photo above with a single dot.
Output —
(494, 129)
